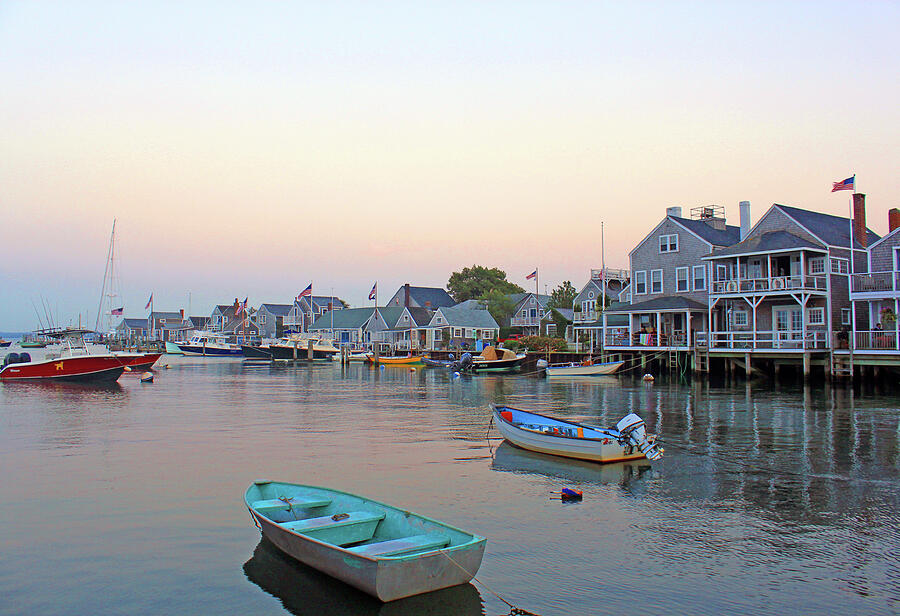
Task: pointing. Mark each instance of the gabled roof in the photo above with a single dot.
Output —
(135, 323)
(567, 313)
(672, 302)
(199, 321)
(833, 230)
(165, 315)
(391, 314)
(717, 237)
(463, 317)
(280, 310)
(471, 304)
(517, 298)
(348, 318)
(421, 316)
(767, 242)
(884, 237)
(434, 297)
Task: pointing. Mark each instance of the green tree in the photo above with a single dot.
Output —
(473, 282)
(498, 304)
(562, 296)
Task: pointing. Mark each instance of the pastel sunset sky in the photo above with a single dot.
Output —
(248, 149)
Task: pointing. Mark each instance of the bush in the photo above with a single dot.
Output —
(543, 343)
(512, 345)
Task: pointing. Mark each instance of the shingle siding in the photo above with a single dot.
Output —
(646, 257)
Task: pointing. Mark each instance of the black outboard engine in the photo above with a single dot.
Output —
(464, 364)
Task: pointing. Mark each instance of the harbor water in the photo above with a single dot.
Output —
(127, 499)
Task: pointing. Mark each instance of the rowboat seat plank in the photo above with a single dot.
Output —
(297, 502)
(416, 543)
(312, 524)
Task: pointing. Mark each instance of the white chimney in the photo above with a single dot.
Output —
(675, 210)
(745, 219)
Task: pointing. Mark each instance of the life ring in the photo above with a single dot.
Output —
(778, 283)
(730, 286)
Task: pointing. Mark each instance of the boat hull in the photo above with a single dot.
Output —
(256, 352)
(88, 368)
(580, 370)
(597, 445)
(497, 365)
(209, 351)
(398, 361)
(5, 343)
(386, 578)
(287, 352)
(139, 361)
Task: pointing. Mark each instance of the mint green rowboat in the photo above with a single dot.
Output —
(384, 551)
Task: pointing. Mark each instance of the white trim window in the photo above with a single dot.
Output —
(845, 316)
(640, 283)
(699, 278)
(668, 243)
(815, 316)
(740, 318)
(682, 282)
(457, 332)
(817, 265)
(840, 266)
(656, 281)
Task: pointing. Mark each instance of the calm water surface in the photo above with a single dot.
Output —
(128, 499)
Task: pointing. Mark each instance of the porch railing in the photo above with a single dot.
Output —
(778, 339)
(620, 337)
(873, 282)
(525, 321)
(876, 340)
(769, 284)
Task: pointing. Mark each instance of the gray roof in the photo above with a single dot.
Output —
(767, 242)
(135, 323)
(567, 313)
(661, 304)
(391, 314)
(462, 317)
(165, 315)
(431, 296)
(471, 304)
(717, 237)
(518, 297)
(833, 230)
(421, 315)
(280, 310)
(613, 320)
(349, 318)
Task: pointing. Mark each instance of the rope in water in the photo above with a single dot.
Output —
(513, 610)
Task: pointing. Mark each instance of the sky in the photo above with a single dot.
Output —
(248, 149)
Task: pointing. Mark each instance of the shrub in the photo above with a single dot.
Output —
(544, 343)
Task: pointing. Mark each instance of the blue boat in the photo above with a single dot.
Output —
(210, 344)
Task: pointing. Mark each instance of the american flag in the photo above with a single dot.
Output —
(149, 301)
(374, 291)
(848, 184)
(531, 275)
(117, 311)
(307, 292)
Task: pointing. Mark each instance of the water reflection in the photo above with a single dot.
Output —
(509, 458)
(306, 592)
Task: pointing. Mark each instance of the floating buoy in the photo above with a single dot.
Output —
(569, 494)
(456, 375)
(648, 377)
(127, 368)
(412, 369)
(381, 366)
(166, 366)
(147, 377)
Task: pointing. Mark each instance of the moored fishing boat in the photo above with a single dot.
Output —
(297, 348)
(627, 441)
(497, 359)
(583, 369)
(385, 551)
(73, 363)
(256, 351)
(138, 361)
(4, 343)
(209, 344)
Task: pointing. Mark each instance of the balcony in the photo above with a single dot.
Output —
(774, 284)
(610, 274)
(876, 340)
(779, 340)
(876, 283)
(525, 322)
(619, 337)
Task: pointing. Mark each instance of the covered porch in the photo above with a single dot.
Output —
(664, 323)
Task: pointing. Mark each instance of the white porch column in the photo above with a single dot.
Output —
(803, 273)
(658, 332)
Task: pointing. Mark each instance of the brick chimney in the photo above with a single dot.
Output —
(859, 219)
(406, 295)
(182, 310)
(893, 219)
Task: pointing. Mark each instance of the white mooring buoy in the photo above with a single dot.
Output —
(147, 377)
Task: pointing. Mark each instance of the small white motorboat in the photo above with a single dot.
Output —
(583, 368)
(627, 441)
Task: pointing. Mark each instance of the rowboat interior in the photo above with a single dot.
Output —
(359, 526)
(557, 427)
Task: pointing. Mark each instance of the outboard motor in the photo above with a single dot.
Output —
(632, 427)
(465, 362)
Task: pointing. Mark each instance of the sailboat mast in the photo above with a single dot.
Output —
(109, 254)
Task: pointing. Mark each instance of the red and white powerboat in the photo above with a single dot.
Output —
(139, 361)
(73, 363)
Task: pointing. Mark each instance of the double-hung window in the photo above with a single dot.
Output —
(699, 277)
(656, 281)
(816, 316)
(668, 243)
(840, 266)
(640, 283)
(682, 282)
(817, 265)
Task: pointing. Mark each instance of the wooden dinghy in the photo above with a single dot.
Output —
(384, 551)
(497, 359)
(583, 369)
(412, 360)
(627, 441)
